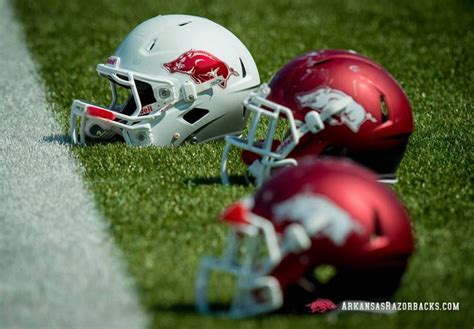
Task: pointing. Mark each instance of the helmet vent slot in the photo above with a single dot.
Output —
(152, 44)
(244, 71)
(185, 23)
(383, 109)
(378, 232)
(195, 115)
(313, 64)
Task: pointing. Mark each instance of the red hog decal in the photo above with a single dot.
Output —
(321, 305)
(201, 66)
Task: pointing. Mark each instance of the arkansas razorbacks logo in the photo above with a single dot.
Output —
(353, 116)
(201, 66)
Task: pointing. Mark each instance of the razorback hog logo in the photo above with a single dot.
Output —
(201, 66)
(321, 305)
(319, 216)
(353, 116)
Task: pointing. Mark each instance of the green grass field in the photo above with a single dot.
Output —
(162, 203)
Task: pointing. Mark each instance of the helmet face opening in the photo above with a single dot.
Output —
(145, 94)
(221, 291)
(266, 117)
(243, 287)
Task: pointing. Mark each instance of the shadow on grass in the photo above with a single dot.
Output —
(62, 139)
(184, 309)
(190, 310)
(238, 180)
(65, 139)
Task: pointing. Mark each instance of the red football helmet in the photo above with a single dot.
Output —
(336, 102)
(327, 212)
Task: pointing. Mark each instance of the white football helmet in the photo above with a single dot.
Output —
(187, 77)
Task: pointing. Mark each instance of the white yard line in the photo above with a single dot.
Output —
(58, 266)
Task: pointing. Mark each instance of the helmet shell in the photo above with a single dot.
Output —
(380, 236)
(374, 131)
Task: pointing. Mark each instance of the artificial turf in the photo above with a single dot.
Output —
(162, 204)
